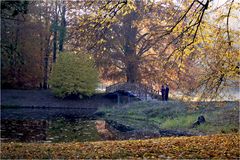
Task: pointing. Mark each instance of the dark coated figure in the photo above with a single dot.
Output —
(163, 93)
(200, 120)
(166, 93)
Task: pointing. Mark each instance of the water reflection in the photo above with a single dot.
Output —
(58, 130)
(63, 130)
(24, 130)
(103, 130)
(44, 125)
(48, 125)
(45, 114)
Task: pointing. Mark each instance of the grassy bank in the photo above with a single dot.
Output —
(221, 117)
(204, 147)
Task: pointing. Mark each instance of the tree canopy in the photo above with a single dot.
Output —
(190, 44)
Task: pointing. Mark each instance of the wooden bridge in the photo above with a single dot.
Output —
(140, 91)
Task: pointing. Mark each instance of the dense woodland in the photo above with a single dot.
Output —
(192, 44)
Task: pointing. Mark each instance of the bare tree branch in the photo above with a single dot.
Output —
(228, 16)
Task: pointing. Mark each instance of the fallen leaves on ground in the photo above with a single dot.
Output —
(224, 146)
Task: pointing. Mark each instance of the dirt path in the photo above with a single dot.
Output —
(45, 99)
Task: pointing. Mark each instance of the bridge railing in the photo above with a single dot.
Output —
(138, 89)
(114, 87)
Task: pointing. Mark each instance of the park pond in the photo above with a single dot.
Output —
(47, 125)
(137, 120)
(62, 125)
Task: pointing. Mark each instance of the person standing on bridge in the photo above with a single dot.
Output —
(163, 92)
(166, 92)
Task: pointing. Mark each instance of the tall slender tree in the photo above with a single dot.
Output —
(62, 32)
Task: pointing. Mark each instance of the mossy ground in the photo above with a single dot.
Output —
(221, 117)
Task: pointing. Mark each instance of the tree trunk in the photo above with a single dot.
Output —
(41, 51)
(55, 24)
(45, 69)
(131, 59)
(54, 46)
(18, 57)
(45, 76)
(63, 27)
(46, 50)
(132, 73)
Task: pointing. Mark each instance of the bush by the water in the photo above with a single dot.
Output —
(74, 74)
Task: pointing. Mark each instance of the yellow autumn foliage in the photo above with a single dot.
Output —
(196, 147)
(73, 74)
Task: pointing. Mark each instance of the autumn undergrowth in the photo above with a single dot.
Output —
(222, 146)
(221, 117)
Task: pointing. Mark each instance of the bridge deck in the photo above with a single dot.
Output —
(141, 91)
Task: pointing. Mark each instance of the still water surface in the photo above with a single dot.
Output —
(51, 125)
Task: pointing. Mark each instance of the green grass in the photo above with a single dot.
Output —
(221, 117)
(211, 129)
(179, 122)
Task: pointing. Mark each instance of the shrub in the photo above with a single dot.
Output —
(73, 74)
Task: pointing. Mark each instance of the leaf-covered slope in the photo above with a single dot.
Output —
(214, 146)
